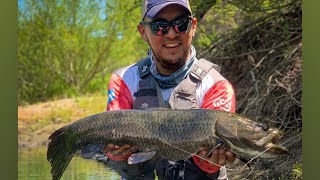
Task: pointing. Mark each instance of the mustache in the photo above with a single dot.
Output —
(170, 64)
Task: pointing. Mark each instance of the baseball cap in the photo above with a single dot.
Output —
(150, 8)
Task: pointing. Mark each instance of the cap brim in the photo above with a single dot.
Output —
(152, 12)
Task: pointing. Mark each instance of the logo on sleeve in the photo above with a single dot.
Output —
(222, 103)
(111, 95)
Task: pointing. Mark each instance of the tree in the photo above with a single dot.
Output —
(66, 46)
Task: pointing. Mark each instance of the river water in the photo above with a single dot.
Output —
(33, 165)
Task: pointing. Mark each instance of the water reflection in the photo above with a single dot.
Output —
(32, 165)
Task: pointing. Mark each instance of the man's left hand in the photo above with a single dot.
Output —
(218, 158)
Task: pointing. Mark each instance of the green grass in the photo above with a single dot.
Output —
(92, 104)
(297, 171)
(64, 110)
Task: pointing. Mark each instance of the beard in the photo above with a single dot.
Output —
(173, 63)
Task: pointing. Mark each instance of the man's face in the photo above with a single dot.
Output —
(170, 50)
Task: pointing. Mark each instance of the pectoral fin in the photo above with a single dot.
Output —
(141, 157)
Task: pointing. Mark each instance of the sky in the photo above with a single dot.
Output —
(102, 3)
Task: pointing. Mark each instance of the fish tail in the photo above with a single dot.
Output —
(59, 153)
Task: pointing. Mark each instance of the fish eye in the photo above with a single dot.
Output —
(265, 127)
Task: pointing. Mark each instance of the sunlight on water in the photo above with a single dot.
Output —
(32, 165)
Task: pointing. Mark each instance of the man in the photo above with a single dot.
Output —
(171, 76)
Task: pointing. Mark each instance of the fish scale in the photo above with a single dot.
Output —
(173, 134)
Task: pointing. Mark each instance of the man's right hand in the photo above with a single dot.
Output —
(119, 153)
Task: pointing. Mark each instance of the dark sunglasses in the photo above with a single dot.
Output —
(161, 27)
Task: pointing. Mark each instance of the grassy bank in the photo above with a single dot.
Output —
(37, 121)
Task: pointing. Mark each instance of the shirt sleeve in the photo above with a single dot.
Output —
(119, 96)
(220, 97)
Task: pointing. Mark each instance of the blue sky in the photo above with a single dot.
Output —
(20, 4)
(102, 3)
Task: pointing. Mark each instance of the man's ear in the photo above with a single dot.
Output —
(142, 32)
(194, 26)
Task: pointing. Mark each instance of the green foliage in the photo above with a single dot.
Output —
(201, 7)
(251, 10)
(71, 47)
(218, 18)
(297, 171)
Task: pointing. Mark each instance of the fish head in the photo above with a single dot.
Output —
(249, 139)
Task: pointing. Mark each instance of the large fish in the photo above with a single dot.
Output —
(173, 134)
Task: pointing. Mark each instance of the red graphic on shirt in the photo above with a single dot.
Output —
(222, 103)
(122, 99)
(220, 97)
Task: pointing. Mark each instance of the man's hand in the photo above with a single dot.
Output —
(218, 158)
(119, 153)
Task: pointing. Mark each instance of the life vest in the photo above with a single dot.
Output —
(182, 97)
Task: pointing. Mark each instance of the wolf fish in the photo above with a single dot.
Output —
(173, 134)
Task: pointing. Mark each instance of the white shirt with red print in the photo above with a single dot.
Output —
(210, 94)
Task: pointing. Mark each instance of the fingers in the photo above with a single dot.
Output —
(119, 153)
(215, 156)
(230, 156)
(218, 157)
(200, 149)
(122, 150)
(109, 147)
(119, 150)
(202, 152)
(222, 157)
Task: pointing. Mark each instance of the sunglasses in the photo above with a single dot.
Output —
(160, 27)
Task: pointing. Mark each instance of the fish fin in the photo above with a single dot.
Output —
(172, 162)
(149, 165)
(58, 154)
(89, 151)
(141, 157)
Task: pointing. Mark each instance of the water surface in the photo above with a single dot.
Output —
(32, 165)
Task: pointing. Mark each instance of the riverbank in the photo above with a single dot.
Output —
(37, 121)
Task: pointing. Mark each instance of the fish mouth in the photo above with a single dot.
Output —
(249, 139)
(268, 142)
(259, 145)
